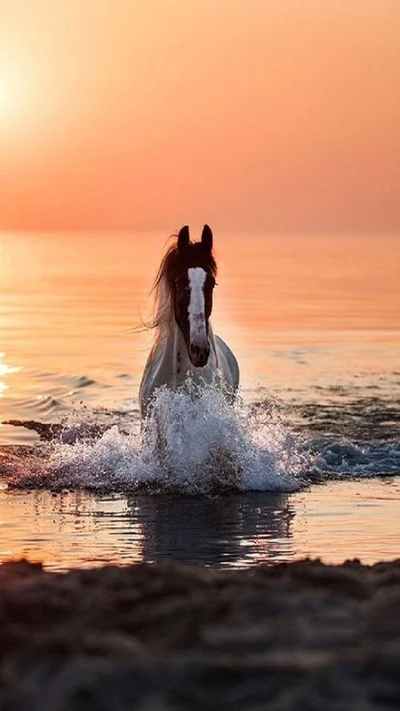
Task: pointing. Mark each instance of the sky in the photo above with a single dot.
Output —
(269, 115)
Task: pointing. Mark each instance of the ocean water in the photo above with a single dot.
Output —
(306, 462)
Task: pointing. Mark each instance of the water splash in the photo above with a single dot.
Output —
(193, 441)
(344, 459)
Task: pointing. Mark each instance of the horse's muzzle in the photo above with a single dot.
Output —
(199, 355)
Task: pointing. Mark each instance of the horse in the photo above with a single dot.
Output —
(185, 348)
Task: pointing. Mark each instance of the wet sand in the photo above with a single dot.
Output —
(300, 635)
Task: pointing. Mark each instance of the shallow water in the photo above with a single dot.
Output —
(337, 521)
(308, 461)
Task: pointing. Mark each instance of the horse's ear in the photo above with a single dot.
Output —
(183, 238)
(207, 238)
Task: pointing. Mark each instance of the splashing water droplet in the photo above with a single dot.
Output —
(192, 441)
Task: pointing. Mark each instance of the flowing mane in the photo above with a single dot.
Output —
(164, 282)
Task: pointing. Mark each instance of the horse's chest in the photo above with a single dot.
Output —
(174, 371)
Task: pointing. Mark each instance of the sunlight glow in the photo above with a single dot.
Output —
(94, 117)
(4, 371)
(20, 113)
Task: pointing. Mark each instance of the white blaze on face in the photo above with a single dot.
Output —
(196, 310)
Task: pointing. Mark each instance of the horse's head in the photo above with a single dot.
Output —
(192, 280)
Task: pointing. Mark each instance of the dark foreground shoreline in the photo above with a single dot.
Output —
(164, 636)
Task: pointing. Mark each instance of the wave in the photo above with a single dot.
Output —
(194, 442)
(43, 405)
(340, 459)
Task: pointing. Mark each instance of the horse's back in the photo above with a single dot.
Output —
(227, 363)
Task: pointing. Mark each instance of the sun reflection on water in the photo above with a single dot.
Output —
(6, 370)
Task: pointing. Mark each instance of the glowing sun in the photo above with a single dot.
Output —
(3, 96)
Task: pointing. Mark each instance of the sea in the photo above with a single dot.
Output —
(305, 463)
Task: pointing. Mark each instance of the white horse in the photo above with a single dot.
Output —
(184, 345)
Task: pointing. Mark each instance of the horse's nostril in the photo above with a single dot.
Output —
(199, 355)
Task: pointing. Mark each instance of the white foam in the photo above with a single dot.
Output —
(340, 459)
(192, 441)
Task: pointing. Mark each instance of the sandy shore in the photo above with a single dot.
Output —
(169, 636)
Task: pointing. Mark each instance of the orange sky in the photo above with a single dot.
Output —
(278, 115)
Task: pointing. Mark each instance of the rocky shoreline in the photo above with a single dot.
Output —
(302, 636)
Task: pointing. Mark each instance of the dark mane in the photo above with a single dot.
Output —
(194, 255)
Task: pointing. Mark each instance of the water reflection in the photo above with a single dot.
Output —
(336, 521)
(231, 530)
(78, 528)
(5, 370)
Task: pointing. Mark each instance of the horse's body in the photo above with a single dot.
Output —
(185, 346)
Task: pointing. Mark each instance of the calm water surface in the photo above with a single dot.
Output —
(314, 322)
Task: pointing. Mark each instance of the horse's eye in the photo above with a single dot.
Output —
(182, 288)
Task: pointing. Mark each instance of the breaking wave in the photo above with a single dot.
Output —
(194, 442)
